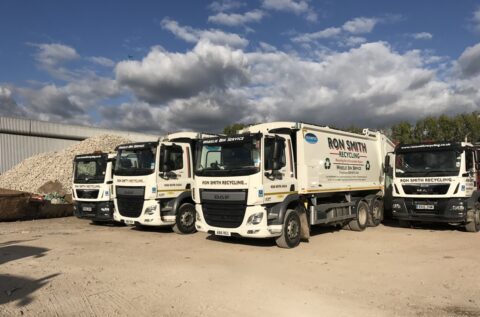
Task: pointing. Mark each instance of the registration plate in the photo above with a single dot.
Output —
(223, 233)
(425, 207)
(87, 209)
(129, 222)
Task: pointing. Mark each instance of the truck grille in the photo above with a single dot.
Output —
(227, 211)
(130, 201)
(440, 189)
(87, 193)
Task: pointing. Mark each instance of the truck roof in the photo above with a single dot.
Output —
(273, 127)
(185, 135)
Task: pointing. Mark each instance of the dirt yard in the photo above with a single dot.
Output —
(68, 267)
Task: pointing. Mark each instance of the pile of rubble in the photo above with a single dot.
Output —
(54, 167)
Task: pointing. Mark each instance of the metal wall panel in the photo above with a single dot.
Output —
(16, 148)
(22, 138)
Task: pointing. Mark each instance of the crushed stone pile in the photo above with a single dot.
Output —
(55, 167)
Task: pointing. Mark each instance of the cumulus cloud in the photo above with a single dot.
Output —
(297, 7)
(52, 56)
(422, 36)
(192, 35)
(236, 19)
(469, 62)
(162, 76)
(8, 106)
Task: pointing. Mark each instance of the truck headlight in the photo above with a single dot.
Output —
(397, 206)
(255, 219)
(150, 210)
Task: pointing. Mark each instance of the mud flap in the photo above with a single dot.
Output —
(304, 227)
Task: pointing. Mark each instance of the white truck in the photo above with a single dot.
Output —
(153, 181)
(275, 180)
(436, 182)
(92, 186)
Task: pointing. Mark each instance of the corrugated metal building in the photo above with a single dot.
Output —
(22, 138)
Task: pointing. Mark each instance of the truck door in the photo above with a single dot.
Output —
(175, 169)
(279, 172)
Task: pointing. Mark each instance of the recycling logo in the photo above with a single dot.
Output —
(367, 166)
(327, 163)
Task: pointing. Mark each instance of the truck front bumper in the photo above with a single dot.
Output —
(95, 211)
(245, 229)
(150, 216)
(447, 210)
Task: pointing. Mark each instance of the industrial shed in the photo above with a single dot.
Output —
(22, 138)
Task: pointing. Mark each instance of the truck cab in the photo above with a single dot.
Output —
(92, 186)
(153, 181)
(436, 182)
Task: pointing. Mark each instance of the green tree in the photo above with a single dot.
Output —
(402, 132)
(233, 128)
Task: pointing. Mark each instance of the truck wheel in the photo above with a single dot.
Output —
(360, 221)
(290, 237)
(375, 216)
(474, 226)
(185, 219)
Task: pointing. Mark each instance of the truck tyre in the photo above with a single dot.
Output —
(360, 221)
(375, 216)
(290, 236)
(474, 226)
(185, 219)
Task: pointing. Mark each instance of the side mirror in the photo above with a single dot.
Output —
(164, 166)
(387, 166)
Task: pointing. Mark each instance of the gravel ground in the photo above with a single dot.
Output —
(68, 267)
(36, 171)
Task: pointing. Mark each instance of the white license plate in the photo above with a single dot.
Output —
(87, 208)
(425, 207)
(223, 233)
(129, 222)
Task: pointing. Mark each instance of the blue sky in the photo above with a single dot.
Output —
(171, 65)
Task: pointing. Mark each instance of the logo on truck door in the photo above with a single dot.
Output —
(311, 138)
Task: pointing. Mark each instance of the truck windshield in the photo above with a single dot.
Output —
(135, 161)
(228, 156)
(90, 169)
(427, 163)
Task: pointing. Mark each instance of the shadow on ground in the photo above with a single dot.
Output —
(17, 288)
(425, 226)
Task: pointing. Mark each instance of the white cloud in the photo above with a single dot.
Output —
(422, 36)
(102, 61)
(52, 57)
(236, 19)
(163, 76)
(360, 25)
(469, 62)
(476, 20)
(225, 5)
(192, 35)
(297, 7)
(323, 34)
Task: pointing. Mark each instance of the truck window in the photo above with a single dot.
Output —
(269, 144)
(175, 159)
